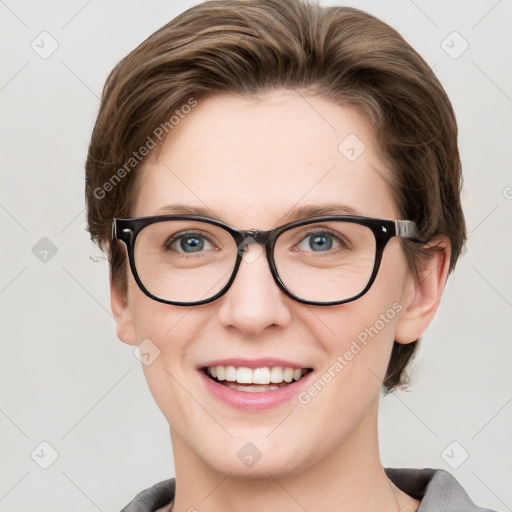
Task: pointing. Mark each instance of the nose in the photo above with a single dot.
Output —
(254, 302)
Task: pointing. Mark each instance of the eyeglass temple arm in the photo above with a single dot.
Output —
(114, 235)
(407, 229)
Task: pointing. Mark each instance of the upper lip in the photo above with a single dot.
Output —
(253, 363)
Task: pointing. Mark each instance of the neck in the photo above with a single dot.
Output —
(350, 478)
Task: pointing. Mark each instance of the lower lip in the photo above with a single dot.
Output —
(247, 401)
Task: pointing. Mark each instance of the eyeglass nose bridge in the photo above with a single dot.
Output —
(253, 236)
(258, 237)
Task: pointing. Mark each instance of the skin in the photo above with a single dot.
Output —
(251, 161)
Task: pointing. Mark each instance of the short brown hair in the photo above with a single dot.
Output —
(247, 48)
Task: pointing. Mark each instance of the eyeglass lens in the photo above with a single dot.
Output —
(188, 261)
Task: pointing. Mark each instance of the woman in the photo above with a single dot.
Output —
(277, 186)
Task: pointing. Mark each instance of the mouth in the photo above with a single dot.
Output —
(255, 380)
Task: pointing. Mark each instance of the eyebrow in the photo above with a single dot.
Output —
(298, 213)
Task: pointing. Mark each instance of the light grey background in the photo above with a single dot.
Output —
(65, 378)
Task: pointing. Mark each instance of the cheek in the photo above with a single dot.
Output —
(164, 333)
(165, 325)
(358, 349)
(358, 336)
(167, 335)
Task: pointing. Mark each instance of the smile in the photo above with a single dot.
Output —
(254, 380)
(254, 384)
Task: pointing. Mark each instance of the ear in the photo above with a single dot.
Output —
(422, 294)
(122, 315)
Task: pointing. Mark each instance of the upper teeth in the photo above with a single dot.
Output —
(244, 375)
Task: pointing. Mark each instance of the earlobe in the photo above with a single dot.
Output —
(423, 293)
(122, 315)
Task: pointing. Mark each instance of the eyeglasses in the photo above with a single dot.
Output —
(188, 260)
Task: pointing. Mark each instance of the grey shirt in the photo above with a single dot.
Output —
(437, 490)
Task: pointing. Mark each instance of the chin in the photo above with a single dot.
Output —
(260, 459)
(263, 469)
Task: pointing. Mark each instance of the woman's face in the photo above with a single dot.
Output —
(252, 163)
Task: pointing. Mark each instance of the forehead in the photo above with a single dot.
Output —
(251, 161)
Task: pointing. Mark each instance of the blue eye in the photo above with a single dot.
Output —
(188, 243)
(319, 241)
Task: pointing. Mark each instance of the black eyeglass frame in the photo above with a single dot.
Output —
(127, 230)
